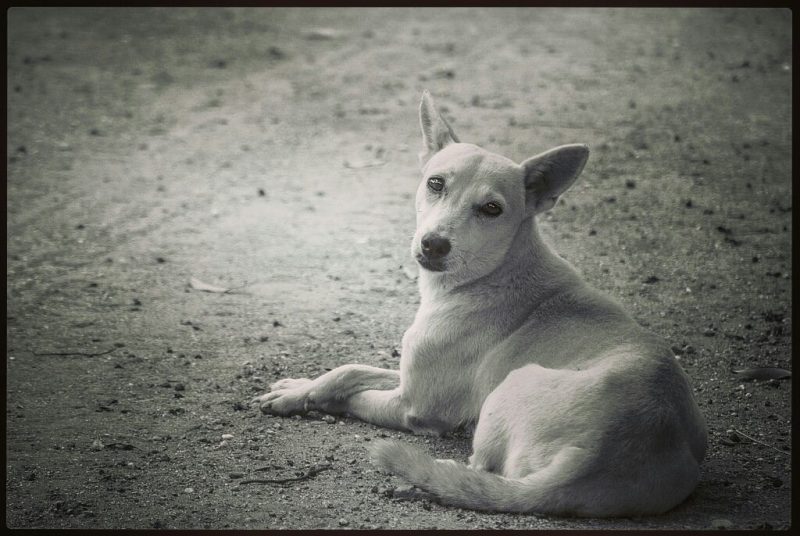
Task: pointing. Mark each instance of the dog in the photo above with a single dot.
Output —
(578, 411)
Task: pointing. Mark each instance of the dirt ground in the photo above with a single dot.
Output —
(273, 152)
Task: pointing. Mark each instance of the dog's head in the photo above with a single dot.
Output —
(472, 202)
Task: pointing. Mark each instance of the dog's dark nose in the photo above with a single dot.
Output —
(435, 246)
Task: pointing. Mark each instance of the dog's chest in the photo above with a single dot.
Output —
(442, 351)
(446, 335)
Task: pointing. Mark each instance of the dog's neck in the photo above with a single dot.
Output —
(530, 272)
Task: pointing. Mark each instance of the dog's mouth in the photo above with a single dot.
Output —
(430, 265)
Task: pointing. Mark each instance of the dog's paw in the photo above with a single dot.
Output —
(289, 383)
(286, 397)
(280, 385)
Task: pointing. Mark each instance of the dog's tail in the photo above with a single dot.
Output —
(457, 484)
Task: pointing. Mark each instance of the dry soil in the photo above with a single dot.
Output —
(273, 152)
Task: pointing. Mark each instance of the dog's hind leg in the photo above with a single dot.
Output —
(329, 393)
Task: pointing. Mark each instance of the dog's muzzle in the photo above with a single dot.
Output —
(433, 250)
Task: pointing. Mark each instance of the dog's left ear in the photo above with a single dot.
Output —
(550, 174)
(436, 132)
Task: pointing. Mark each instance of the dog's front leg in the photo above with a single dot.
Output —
(346, 389)
(382, 408)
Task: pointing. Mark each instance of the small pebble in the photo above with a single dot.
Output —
(721, 524)
(225, 437)
(330, 419)
(343, 522)
(188, 490)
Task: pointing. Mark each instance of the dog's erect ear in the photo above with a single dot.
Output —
(436, 132)
(550, 174)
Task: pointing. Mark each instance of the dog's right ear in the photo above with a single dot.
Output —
(436, 132)
(550, 174)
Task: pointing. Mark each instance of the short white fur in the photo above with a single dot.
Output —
(578, 410)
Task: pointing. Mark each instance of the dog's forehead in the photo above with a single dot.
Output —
(464, 162)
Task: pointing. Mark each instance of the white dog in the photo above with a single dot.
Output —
(579, 410)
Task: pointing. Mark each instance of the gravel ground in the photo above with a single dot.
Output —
(273, 152)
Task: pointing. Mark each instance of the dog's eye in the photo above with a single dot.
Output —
(491, 209)
(436, 184)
